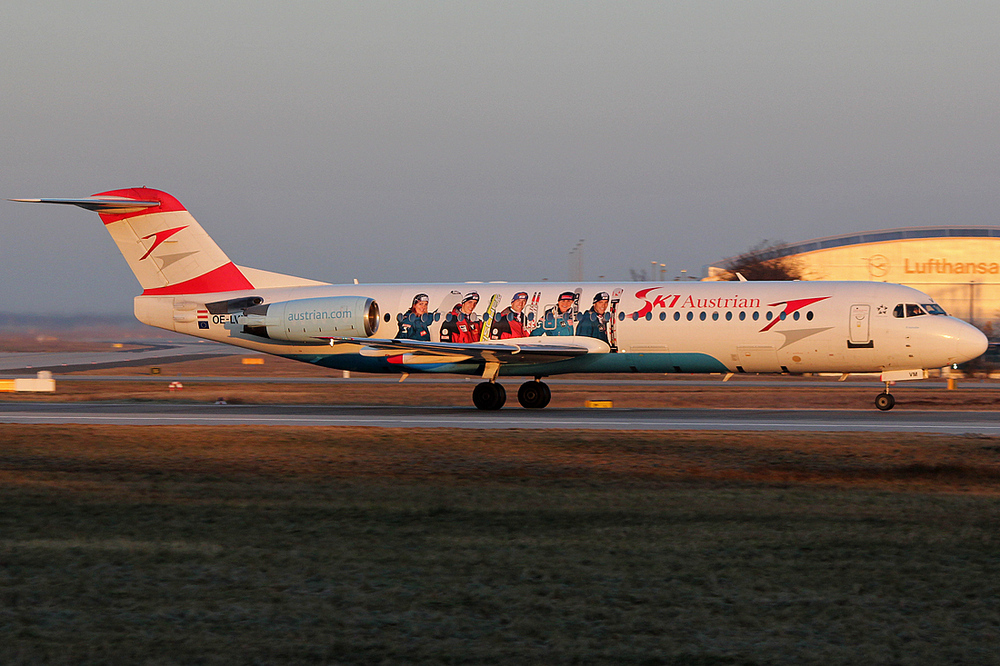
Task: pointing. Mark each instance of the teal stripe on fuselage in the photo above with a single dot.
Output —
(659, 363)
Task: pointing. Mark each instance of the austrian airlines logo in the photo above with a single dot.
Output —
(734, 302)
(668, 301)
(158, 238)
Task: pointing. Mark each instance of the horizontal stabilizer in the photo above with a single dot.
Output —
(100, 204)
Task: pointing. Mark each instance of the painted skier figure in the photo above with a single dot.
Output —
(461, 324)
(414, 324)
(558, 320)
(511, 322)
(594, 322)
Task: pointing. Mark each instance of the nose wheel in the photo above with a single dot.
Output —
(534, 395)
(885, 401)
(489, 395)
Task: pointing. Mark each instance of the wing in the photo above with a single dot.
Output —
(516, 351)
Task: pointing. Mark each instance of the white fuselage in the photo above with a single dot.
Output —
(752, 327)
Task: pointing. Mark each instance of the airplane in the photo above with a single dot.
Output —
(498, 329)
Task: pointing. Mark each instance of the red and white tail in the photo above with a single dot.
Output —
(166, 248)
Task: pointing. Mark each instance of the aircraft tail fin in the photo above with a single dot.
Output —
(166, 248)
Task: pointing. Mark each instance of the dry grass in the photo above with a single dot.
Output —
(298, 545)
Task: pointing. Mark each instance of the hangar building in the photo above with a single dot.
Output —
(958, 266)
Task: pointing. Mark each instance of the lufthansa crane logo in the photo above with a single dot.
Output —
(878, 265)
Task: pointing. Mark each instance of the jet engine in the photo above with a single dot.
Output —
(309, 319)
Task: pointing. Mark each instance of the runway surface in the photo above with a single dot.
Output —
(949, 422)
(146, 353)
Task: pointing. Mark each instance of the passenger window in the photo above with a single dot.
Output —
(898, 312)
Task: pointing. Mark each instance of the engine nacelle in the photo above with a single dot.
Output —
(309, 319)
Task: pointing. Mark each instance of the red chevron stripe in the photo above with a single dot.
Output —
(224, 278)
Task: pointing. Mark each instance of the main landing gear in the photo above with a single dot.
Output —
(885, 401)
(489, 395)
(532, 395)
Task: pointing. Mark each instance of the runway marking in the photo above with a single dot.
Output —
(480, 421)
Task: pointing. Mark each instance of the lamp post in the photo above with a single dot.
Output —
(576, 262)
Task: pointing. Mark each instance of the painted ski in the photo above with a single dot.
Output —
(532, 318)
(575, 312)
(488, 317)
(616, 298)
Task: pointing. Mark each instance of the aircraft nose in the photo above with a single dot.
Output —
(970, 343)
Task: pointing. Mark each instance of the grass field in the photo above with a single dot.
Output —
(193, 545)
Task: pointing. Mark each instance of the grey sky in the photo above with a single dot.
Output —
(479, 141)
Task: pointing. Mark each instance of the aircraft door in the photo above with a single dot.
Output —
(860, 333)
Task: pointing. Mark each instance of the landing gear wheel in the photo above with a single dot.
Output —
(548, 395)
(885, 401)
(489, 395)
(501, 395)
(534, 395)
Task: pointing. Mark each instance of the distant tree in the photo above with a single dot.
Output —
(764, 262)
(637, 276)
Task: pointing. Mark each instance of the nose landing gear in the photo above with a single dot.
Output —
(885, 401)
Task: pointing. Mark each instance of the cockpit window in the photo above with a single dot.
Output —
(911, 310)
(934, 309)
